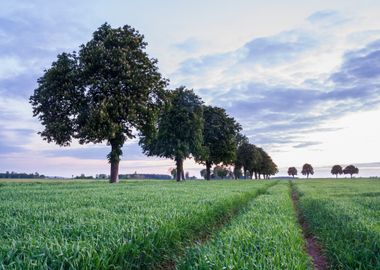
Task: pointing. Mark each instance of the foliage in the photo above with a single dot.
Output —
(336, 169)
(267, 166)
(307, 169)
(248, 158)
(203, 173)
(179, 131)
(344, 217)
(219, 138)
(266, 236)
(102, 93)
(351, 169)
(221, 172)
(292, 171)
(77, 225)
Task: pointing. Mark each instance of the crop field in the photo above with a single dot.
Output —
(344, 215)
(266, 236)
(192, 225)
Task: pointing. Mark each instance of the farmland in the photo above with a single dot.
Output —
(191, 225)
(344, 215)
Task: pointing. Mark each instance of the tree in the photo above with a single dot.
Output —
(266, 166)
(221, 172)
(203, 173)
(219, 138)
(102, 93)
(351, 169)
(307, 169)
(179, 131)
(248, 158)
(292, 171)
(173, 172)
(336, 169)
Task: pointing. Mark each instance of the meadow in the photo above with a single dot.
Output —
(246, 224)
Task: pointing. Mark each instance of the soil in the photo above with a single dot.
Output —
(312, 247)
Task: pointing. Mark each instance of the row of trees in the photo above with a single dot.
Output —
(111, 90)
(336, 170)
(15, 175)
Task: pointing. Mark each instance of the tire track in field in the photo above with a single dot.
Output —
(204, 238)
(312, 247)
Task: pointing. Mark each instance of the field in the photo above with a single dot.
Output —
(344, 215)
(191, 225)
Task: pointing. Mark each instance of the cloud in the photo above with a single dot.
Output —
(270, 112)
(306, 144)
(327, 18)
(360, 66)
(189, 45)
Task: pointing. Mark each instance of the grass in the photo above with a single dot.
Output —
(266, 236)
(344, 215)
(192, 225)
(95, 225)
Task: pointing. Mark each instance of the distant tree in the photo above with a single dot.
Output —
(266, 166)
(219, 138)
(203, 173)
(307, 169)
(187, 175)
(336, 169)
(292, 171)
(351, 169)
(237, 172)
(248, 158)
(173, 172)
(221, 171)
(103, 93)
(179, 132)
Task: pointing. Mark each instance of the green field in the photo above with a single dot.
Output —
(344, 215)
(193, 225)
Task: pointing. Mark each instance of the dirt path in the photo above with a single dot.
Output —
(312, 247)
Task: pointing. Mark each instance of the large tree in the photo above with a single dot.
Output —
(179, 132)
(292, 171)
(351, 169)
(307, 169)
(336, 169)
(219, 138)
(103, 93)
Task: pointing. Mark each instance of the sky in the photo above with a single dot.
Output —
(302, 77)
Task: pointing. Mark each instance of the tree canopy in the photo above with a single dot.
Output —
(351, 169)
(179, 131)
(219, 138)
(103, 93)
(307, 169)
(336, 169)
(292, 171)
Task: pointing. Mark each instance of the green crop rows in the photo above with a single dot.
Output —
(192, 225)
(97, 225)
(267, 236)
(345, 216)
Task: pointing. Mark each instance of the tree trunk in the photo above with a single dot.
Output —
(179, 164)
(114, 159)
(255, 175)
(114, 172)
(208, 170)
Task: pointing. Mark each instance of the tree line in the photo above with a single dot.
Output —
(336, 170)
(111, 91)
(15, 175)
